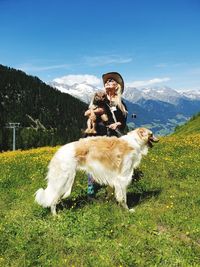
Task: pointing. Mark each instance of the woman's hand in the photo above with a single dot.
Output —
(114, 126)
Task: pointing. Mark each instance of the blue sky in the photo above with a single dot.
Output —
(147, 41)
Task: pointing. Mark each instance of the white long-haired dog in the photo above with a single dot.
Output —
(110, 160)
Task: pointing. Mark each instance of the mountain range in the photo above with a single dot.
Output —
(158, 108)
(51, 115)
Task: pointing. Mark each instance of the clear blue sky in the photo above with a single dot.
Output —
(144, 40)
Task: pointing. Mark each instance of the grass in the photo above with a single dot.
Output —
(191, 126)
(164, 230)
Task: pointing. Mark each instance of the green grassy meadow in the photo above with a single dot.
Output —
(191, 126)
(163, 231)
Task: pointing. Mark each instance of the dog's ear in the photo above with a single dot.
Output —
(142, 132)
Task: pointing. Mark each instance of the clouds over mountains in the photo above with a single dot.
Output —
(77, 79)
(71, 80)
(148, 82)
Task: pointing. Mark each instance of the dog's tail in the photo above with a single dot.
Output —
(60, 177)
(44, 197)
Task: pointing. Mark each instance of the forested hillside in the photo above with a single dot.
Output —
(192, 126)
(46, 115)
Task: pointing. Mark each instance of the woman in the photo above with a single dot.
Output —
(116, 111)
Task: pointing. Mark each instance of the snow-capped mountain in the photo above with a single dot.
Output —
(81, 91)
(191, 94)
(79, 86)
(164, 93)
(158, 108)
(84, 91)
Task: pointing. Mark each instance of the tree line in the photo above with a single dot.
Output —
(46, 115)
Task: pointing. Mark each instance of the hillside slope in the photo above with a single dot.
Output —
(192, 126)
(163, 231)
(46, 115)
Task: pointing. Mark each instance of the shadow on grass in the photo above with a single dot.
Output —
(101, 195)
(77, 203)
(134, 199)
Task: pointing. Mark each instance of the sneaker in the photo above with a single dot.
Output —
(90, 190)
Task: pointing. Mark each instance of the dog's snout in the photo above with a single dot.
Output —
(154, 138)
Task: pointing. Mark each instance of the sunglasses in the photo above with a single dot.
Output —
(110, 80)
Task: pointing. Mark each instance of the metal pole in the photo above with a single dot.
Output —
(13, 125)
(14, 138)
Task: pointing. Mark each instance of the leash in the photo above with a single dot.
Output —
(115, 120)
(118, 132)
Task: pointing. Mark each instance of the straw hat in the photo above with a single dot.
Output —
(115, 76)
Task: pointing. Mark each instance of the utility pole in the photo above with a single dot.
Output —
(13, 125)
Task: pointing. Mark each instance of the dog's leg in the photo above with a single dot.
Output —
(124, 201)
(68, 185)
(53, 209)
(121, 196)
(63, 191)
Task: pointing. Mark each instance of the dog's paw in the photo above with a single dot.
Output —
(131, 210)
(93, 131)
(87, 131)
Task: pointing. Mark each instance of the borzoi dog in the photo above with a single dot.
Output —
(110, 160)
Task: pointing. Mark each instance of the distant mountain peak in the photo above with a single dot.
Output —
(191, 94)
(82, 91)
(85, 89)
(163, 93)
